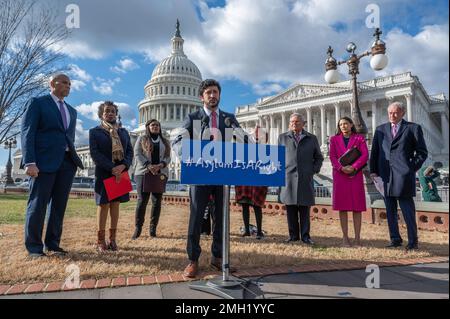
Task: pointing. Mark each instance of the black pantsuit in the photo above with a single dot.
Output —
(143, 199)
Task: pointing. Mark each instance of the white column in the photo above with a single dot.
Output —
(160, 113)
(309, 127)
(444, 127)
(337, 112)
(409, 113)
(283, 122)
(314, 125)
(174, 112)
(322, 125)
(374, 116)
(329, 128)
(272, 128)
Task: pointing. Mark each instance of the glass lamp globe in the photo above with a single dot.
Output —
(351, 47)
(378, 62)
(332, 76)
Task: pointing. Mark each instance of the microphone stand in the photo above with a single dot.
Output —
(225, 286)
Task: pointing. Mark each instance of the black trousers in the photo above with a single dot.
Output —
(246, 217)
(199, 197)
(296, 214)
(141, 207)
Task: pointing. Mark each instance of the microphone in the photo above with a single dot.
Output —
(205, 121)
(232, 122)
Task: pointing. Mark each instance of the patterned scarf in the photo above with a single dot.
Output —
(117, 148)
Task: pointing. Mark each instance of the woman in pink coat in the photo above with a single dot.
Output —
(348, 182)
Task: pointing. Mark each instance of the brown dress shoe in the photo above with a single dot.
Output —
(191, 270)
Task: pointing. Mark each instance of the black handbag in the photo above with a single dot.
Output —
(349, 157)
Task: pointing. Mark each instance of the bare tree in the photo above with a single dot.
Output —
(28, 36)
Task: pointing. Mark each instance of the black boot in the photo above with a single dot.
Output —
(152, 231)
(137, 232)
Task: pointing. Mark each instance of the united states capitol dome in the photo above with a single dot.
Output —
(172, 91)
(177, 63)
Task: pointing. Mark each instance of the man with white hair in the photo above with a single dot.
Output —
(50, 159)
(303, 160)
(398, 152)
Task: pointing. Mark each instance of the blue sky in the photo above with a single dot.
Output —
(254, 48)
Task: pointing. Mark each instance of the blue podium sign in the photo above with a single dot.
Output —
(206, 162)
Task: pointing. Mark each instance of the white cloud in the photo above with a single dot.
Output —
(264, 41)
(425, 54)
(140, 26)
(89, 110)
(77, 85)
(125, 65)
(81, 134)
(266, 89)
(79, 73)
(105, 87)
(79, 77)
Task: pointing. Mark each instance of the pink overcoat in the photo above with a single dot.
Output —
(348, 191)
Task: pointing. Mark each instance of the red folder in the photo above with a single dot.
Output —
(114, 189)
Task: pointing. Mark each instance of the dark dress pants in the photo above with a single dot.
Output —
(49, 193)
(409, 214)
(298, 222)
(141, 207)
(199, 197)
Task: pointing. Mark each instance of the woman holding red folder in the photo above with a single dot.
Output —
(348, 182)
(112, 153)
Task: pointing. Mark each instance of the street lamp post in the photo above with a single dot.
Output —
(378, 62)
(9, 144)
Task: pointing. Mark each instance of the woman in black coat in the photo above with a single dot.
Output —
(112, 153)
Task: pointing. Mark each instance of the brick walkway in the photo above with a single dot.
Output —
(178, 277)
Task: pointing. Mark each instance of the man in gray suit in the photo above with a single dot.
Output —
(303, 160)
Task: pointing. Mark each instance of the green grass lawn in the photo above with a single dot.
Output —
(12, 208)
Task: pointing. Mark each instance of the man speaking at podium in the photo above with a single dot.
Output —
(214, 121)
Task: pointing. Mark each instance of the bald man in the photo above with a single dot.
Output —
(49, 158)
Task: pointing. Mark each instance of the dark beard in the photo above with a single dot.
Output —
(215, 105)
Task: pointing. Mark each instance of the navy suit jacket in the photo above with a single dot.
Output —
(44, 139)
(397, 160)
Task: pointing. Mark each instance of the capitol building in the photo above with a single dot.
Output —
(172, 93)
(323, 104)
